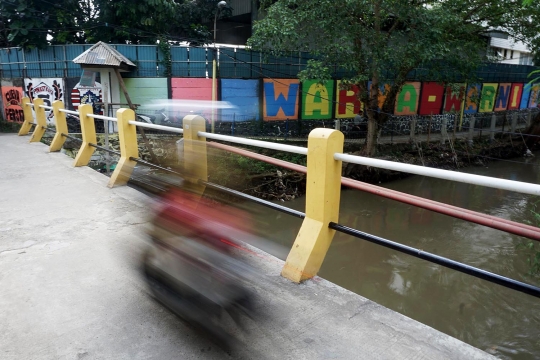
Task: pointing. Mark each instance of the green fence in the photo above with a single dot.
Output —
(57, 61)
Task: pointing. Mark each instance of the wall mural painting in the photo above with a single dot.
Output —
(280, 99)
(407, 99)
(472, 97)
(525, 95)
(11, 98)
(317, 99)
(347, 102)
(487, 97)
(383, 92)
(48, 89)
(535, 93)
(454, 97)
(515, 96)
(81, 95)
(503, 97)
(432, 98)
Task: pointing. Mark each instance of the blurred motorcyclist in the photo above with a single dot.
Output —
(192, 265)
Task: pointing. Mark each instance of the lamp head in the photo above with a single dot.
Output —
(221, 4)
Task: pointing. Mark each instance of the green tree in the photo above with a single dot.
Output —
(383, 40)
(38, 23)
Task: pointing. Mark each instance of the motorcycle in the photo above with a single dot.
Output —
(192, 266)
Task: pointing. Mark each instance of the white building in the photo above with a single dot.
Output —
(509, 51)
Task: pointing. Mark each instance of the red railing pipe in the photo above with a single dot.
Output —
(494, 222)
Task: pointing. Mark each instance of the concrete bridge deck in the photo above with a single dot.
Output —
(69, 289)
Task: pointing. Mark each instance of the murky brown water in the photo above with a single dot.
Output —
(501, 321)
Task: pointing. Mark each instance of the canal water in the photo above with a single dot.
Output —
(501, 321)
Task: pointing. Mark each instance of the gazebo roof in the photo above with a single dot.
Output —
(103, 56)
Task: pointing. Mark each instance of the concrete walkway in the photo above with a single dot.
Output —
(69, 288)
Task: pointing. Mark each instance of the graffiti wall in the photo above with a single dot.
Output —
(280, 99)
(48, 89)
(317, 99)
(81, 95)
(347, 102)
(284, 99)
(11, 100)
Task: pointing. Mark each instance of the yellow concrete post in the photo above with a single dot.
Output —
(41, 120)
(127, 135)
(28, 116)
(195, 159)
(323, 189)
(61, 126)
(88, 130)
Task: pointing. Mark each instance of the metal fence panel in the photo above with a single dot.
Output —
(197, 62)
(56, 61)
(180, 59)
(33, 65)
(227, 63)
(147, 63)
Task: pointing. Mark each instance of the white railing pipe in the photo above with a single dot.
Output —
(503, 184)
(263, 144)
(69, 112)
(46, 107)
(157, 127)
(102, 117)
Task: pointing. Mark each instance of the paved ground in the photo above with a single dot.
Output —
(69, 289)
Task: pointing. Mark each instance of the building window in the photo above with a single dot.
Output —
(512, 54)
(525, 59)
(505, 53)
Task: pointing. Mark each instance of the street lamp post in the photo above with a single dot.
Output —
(220, 5)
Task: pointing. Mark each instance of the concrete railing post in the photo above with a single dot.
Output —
(127, 136)
(195, 158)
(88, 130)
(28, 116)
(492, 127)
(471, 129)
(444, 130)
(61, 126)
(41, 120)
(514, 122)
(323, 191)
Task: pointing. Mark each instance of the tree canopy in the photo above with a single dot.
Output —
(38, 23)
(383, 40)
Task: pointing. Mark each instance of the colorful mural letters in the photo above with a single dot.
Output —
(11, 98)
(503, 97)
(347, 102)
(515, 96)
(285, 99)
(407, 99)
(535, 93)
(432, 98)
(280, 99)
(317, 99)
(472, 97)
(525, 95)
(453, 99)
(487, 98)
